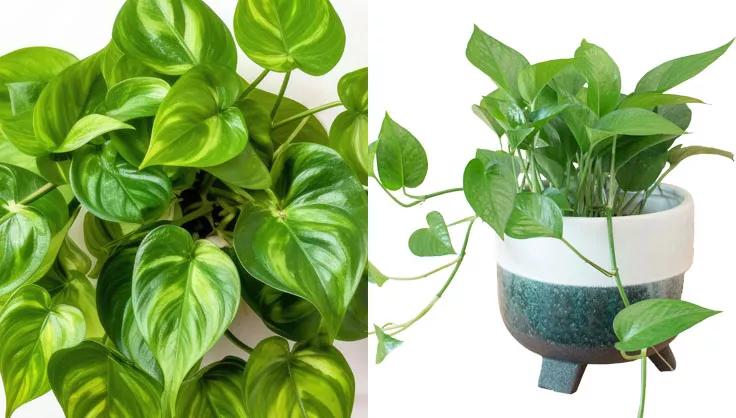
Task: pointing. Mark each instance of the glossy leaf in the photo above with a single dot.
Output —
(651, 100)
(386, 344)
(98, 233)
(74, 289)
(432, 241)
(283, 35)
(500, 62)
(313, 131)
(489, 184)
(654, 321)
(401, 159)
(604, 79)
(214, 392)
(534, 78)
(642, 171)
(135, 98)
(677, 154)
(375, 275)
(246, 170)
(87, 129)
(112, 189)
(172, 36)
(673, 72)
(32, 328)
(198, 124)
(534, 215)
(308, 382)
(185, 295)
(309, 237)
(349, 131)
(10, 154)
(116, 66)
(635, 121)
(90, 380)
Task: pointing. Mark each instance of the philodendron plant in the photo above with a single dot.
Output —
(192, 189)
(570, 144)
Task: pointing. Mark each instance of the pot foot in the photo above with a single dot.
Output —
(561, 376)
(665, 361)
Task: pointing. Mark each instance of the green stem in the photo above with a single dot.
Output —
(462, 221)
(252, 86)
(202, 211)
(425, 275)
(586, 259)
(643, 395)
(291, 138)
(306, 113)
(398, 202)
(235, 340)
(46, 188)
(609, 224)
(431, 195)
(280, 97)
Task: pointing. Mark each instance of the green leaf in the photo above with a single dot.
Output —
(432, 241)
(198, 124)
(87, 129)
(308, 237)
(558, 197)
(673, 72)
(74, 289)
(534, 78)
(401, 159)
(282, 35)
(578, 119)
(604, 79)
(97, 234)
(641, 171)
(534, 215)
(33, 328)
(353, 90)
(172, 36)
(92, 380)
(135, 98)
(677, 154)
(650, 322)
(635, 121)
(112, 189)
(214, 392)
(650, 100)
(313, 131)
(499, 61)
(489, 183)
(116, 66)
(246, 170)
(349, 131)
(185, 295)
(308, 382)
(375, 275)
(386, 344)
(11, 155)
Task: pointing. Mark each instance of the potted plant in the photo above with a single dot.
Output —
(593, 244)
(192, 187)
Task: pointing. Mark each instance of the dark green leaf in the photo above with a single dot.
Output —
(489, 183)
(386, 344)
(401, 159)
(499, 61)
(432, 241)
(641, 171)
(558, 197)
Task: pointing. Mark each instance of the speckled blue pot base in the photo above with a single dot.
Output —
(572, 326)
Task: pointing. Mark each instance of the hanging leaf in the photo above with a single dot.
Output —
(281, 36)
(677, 154)
(604, 78)
(489, 184)
(386, 344)
(534, 215)
(401, 159)
(214, 392)
(349, 132)
(309, 382)
(432, 241)
(375, 275)
(500, 62)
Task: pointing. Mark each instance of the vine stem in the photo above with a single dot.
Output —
(306, 113)
(41, 192)
(429, 273)
(280, 97)
(235, 340)
(431, 195)
(643, 394)
(204, 210)
(586, 259)
(291, 138)
(252, 86)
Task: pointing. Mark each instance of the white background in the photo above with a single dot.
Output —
(83, 27)
(459, 361)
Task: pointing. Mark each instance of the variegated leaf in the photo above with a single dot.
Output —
(135, 98)
(185, 295)
(198, 124)
(306, 382)
(32, 328)
(281, 35)
(349, 132)
(309, 237)
(90, 380)
(214, 392)
(116, 66)
(74, 289)
(172, 36)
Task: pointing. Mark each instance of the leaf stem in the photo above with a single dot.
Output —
(252, 86)
(431, 195)
(429, 273)
(291, 138)
(643, 395)
(202, 211)
(586, 259)
(462, 221)
(41, 192)
(398, 202)
(280, 97)
(306, 113)
(236, 341)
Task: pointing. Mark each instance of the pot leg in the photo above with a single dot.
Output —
(561, 376)
(665, 360)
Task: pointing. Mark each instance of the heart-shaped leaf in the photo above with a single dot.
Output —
(401, 159)
(534, 78)
(33, 328)
(489, 184)
(214, 392)
(432, 241)
(198, 125)
(650, 322)
(386, 344)
(309, 237)
(282, 35)
(90, 380)
(172, 36)
(534, 215)
(246, 170)
(349, 131)
(308, 382)
(72, 288)
(185, 295)
(116, 66)
(135, 98)
(499, 61)
(602, 73)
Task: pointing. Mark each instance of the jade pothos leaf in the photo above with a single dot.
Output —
(534, 215)
(653, 321)
(214, 392)
(112, 189)
(401, 159)
(635, 121)
(432, 241)
(678, 153)
(386, 344)
(309, 237)
(349, 131)
(198, 124)
(602, 73)
(92, 380)
(185, 295)
(489, 184)
(284, 35)
(33, 328)
(650, 100)
(172, 36)
(534, 78)
(308, 382)
(499, 61)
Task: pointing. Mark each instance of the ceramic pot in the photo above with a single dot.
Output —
(558, 306)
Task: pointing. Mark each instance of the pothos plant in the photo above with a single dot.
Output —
(193, 189)
(570, 144)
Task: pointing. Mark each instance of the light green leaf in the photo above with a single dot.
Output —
(54, 169)
(386, 344)
(503, 110)
(246, 170)
(534, 78)
(635, 121)
(432, 241)
(578, 119)
(214, 392)
(97, 234)
(349, 131)
(534, 215)
(284, 35)
(74, 289)
(677, 154)
(353, 90)
(114, 190)
(673, 72)
(33, 328)
(90, 380)
(309, 237)
(375, 275)
(11, 155)
(650, 100)
(135, 98)
(172, 36)
(517, 136)
(198, 124)
(401, 159)
(604, 79)
(499, 61)
(185, 295)
(117, 66)
(650, 322)
(87, 129)
(489, 184)
(306, 382)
